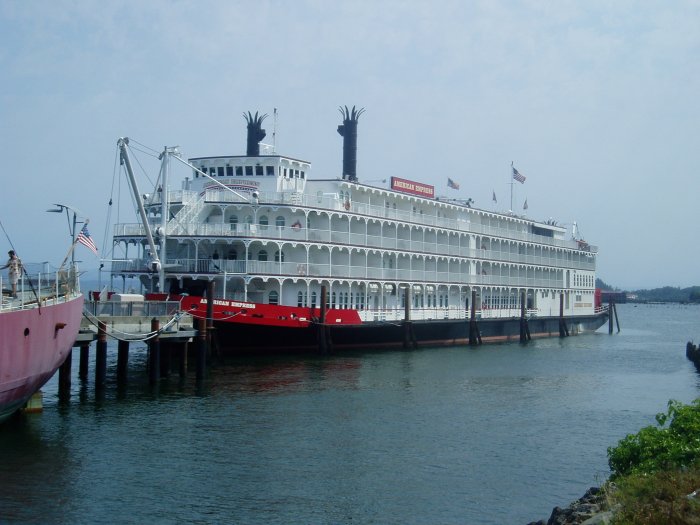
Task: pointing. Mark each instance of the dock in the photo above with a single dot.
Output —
(161, 325)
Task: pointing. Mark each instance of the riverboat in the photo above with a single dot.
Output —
(38, 328)
(280, 260)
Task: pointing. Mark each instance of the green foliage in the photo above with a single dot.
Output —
(694, 296)
(599, 283)
(657, 448)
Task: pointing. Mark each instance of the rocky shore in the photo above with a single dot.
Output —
(591, 509)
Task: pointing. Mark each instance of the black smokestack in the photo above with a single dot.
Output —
(348, 130)
(255, 133)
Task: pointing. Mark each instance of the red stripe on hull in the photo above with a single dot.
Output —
(33, 344)
(225, 310)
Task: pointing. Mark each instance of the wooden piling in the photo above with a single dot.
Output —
(201, 348)
(84, 361)
(122, 361)
(210, 316)
(154, 353)
(611, 312)
(563, 330)
(182, 359)
(64, 377)
(617, 319)
(474, 333)
(407, 321)
(101, 355)
(322, 334)
(524, 328)
(165, 359)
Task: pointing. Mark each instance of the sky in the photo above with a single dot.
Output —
(595, 102)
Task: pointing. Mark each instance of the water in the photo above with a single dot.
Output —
(491, 435)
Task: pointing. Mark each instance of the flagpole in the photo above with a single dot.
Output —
(511, 185)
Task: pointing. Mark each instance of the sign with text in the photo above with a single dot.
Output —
(414, 188)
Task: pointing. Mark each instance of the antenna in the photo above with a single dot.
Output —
(274, 131)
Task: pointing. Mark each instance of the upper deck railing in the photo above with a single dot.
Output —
(335, 204)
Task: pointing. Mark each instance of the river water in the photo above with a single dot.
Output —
(497, 434)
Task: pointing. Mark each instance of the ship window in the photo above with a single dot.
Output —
(279, 221)
(279, 256)
(258, 170)
(313, 299)
(333, 300)
(262, 255)
(273, 297)
(239, 171)
(212, 172)
(249, 219)
(269, 170)
(233, 221)
(195, 174)
(249, 171)
(229, 171)
(232, 255)
(300, 299)
(263, 222)
(220, 171)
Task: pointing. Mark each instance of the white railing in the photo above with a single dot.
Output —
(331, 271)
(288, 233)
(43, 288)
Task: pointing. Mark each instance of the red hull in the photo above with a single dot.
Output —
(33, 344)
(265, 314)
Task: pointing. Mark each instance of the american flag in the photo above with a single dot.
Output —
(85, 239)
(452, 184)
(518, 176)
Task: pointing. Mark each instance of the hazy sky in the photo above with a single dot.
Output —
(596, 103)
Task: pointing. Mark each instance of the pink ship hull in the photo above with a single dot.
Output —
(33, 344)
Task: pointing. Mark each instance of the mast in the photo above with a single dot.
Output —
(155, 261)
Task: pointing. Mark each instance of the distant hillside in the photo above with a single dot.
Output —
(666, 294)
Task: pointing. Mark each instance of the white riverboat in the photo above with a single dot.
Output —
(397, 265)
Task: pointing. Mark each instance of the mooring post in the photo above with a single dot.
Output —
(474, 335)
(201, 348)
(406, 320)
(165, 359)
(154, 353)
(611, 312)
(524, 328)
(617, 319)
(322, 342)
(101, 355)
(210, 316)
(182, 359)
(563, 330)
(122, 361)
(64, 377)
(84, 361)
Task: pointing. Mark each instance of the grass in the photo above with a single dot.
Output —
(658, 498)
(656, 472)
